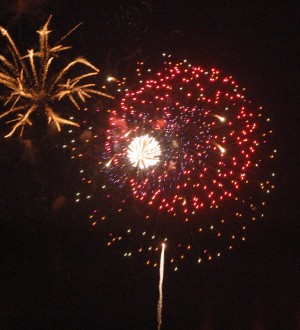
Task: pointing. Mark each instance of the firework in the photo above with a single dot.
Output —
(31, 86)
(205, 133)
(181, 162)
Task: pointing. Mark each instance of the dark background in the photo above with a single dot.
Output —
(55, 273)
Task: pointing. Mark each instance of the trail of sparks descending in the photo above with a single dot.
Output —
(161, 279)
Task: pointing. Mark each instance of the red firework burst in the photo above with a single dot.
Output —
(207, 133)
(184, 141)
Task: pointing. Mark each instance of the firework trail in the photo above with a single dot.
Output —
(161, 279)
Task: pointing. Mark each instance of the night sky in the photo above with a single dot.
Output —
(54, 270)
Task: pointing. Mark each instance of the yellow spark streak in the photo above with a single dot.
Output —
(125, 135)
(110, 161)
(110, 78)
(222, 149)
(222, 119)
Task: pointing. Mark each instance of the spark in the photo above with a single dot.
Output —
(110, 161)
(222, 119)
(110, 78)
(222, 149)
(128, 133)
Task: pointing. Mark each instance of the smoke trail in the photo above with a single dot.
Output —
(161, 278)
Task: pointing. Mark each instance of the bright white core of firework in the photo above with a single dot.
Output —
(143, 152)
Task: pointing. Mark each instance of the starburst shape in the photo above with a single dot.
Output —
(32, 85)
(143, 152)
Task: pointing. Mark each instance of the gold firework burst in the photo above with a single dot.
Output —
(31, 85)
